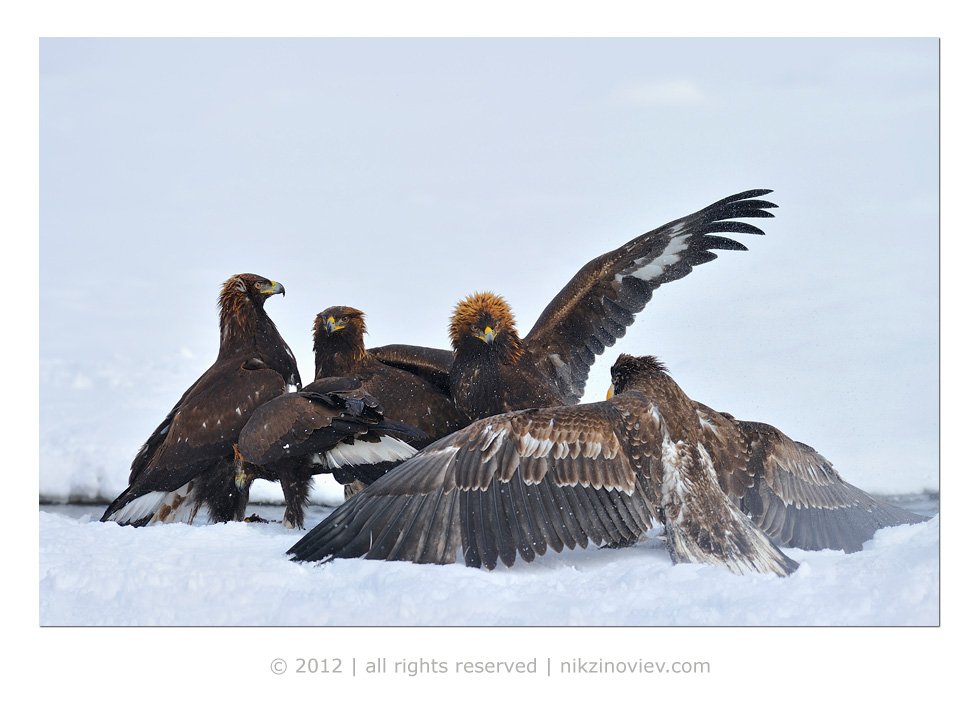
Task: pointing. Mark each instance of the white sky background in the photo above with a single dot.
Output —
(400, 175)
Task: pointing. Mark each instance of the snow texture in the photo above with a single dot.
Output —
(238, 574)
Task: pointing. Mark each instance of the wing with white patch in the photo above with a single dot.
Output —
(512, 484)
(596, 307)
(344, 428)
(800, 500)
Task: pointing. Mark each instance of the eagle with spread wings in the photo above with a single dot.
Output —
(188, 461)
(492, 370)
(517, 484)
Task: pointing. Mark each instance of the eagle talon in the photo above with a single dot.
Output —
(255, 518)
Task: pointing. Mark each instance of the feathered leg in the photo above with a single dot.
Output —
(296, 484)
(703, 525)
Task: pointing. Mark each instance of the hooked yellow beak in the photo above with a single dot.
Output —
(274, 288)
(488, 335)
(332, 326)
(611, 392)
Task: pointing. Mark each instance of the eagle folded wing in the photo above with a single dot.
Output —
(428, 363)
(799, 499)
(344, 428)
(202, 430)
(599, 303)
(335, 384)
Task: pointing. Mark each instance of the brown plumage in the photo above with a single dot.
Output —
(515, 484)
(330, 426)
(493, 370)
(354, 399)
(789, 490)
(188, 461)
(405, 396)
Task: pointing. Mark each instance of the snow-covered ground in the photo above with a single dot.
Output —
(238, 574)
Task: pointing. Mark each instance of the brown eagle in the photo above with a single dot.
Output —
(418, 396)
(409, 397)
(515, 484)
(188, 461)
(331, 426)
(493, 370)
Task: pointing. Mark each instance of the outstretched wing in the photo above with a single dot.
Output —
(798, 499)
(512, 484)
(599, 303)
(428, 363)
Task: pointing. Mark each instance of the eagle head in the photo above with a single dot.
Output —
(628, 371)
(337, 340)
(253, 287)
(336, 319)
(483, 317)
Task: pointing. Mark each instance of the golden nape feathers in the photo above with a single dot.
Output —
(477, 311)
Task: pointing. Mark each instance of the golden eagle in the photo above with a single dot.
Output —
(406, 396)
(188, 461)
(331, 426)
(493, 370)
(515, 484)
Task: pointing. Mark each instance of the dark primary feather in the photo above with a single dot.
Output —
(596, 307)
(800, 500)
(789, 490)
